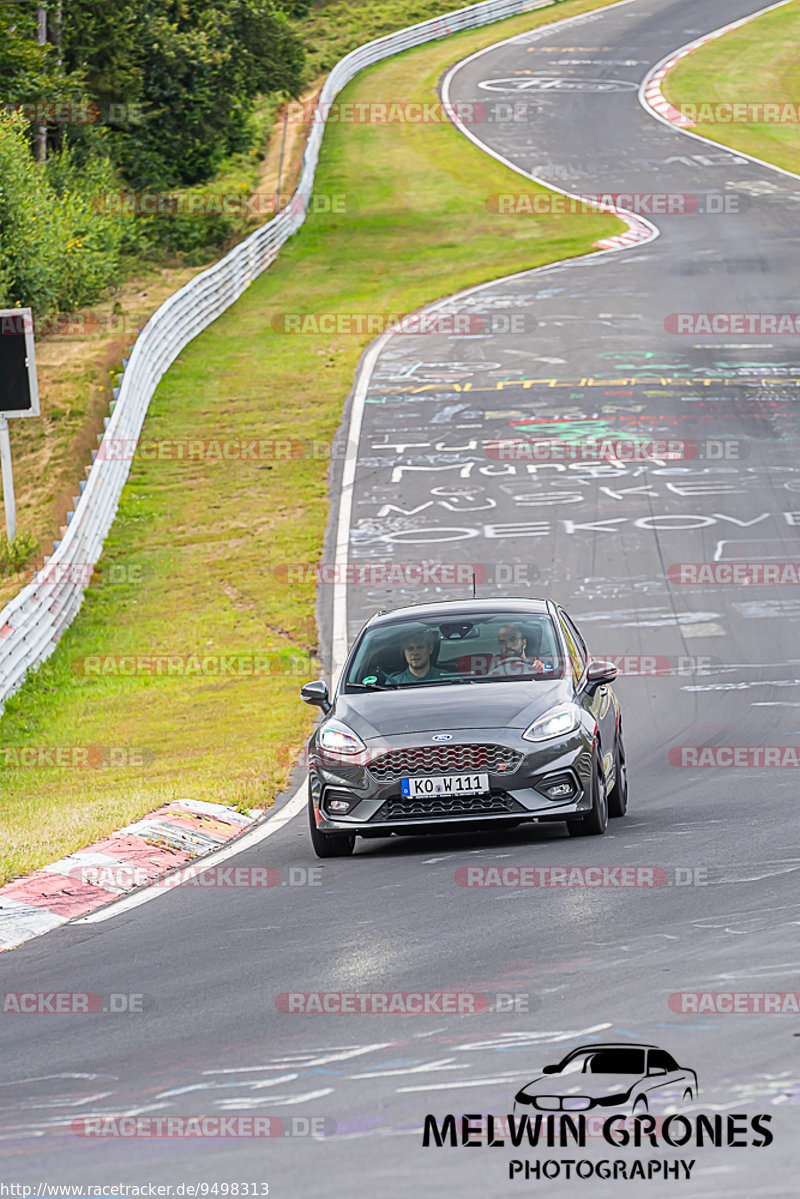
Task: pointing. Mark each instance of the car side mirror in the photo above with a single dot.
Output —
(316, 694)
(550, 1070)
(598, 673)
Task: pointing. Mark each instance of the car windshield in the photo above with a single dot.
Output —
(606, 1061)
(486, 649)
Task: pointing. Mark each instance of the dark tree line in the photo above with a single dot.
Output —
(168, 85)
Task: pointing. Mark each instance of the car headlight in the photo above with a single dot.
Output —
(339, 739)
(555, 723)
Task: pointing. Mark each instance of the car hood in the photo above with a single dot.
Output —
(596, 1085)
(501, 705)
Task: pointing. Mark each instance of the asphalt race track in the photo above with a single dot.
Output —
(583, 346)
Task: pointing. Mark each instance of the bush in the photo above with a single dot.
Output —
(58, 249)
(16, 553)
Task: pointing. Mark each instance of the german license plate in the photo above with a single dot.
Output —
(445, 784)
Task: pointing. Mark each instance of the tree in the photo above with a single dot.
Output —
(191, 68)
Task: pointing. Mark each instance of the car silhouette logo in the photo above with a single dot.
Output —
(618, 1076)
(442, 737)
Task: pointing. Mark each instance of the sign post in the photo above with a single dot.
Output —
(8, 481)
(19, 393)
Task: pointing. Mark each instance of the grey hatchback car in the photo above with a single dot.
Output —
(465, 715)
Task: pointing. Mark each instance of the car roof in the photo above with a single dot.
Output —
(612, 1045)
(466, 608)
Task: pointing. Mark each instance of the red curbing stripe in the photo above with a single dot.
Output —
(58, 891)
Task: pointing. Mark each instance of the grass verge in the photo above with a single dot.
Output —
(195, 563)
(756, 64)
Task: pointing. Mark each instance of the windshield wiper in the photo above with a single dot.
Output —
(435, 682)
(509, 678)
(375, 686)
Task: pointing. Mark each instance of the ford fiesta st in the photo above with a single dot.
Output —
(457, 715)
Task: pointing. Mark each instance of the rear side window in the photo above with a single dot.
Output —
(659, 1059)
(576, 636)
(577, 658)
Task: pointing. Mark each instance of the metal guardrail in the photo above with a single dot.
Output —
(32, 623)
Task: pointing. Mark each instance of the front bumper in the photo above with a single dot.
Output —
(519, 773)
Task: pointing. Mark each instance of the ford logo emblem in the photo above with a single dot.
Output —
(442, 737)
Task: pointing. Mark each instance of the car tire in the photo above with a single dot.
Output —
(595, 822)
(618, 795)
(688, 1096)
(640, 1107)
(329, 845)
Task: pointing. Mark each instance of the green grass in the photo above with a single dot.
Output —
(192, 563)
(333, 29)
(757, 63)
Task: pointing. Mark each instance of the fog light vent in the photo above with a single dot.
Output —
(338, 805)
(558, 786)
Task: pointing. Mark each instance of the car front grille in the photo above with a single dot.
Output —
(432, 806)
(443, 759)
(569, 1103)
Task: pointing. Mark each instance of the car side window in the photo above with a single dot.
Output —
(578, 639)
(574, 652)
(660, 1060)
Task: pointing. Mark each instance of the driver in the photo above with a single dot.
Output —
(418, 647)
(514, 660)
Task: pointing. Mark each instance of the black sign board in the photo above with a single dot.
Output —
(19, 393)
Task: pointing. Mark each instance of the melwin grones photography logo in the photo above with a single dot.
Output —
(625, 1096)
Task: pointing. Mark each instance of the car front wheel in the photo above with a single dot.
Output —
(595, 821)
(329, 845)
